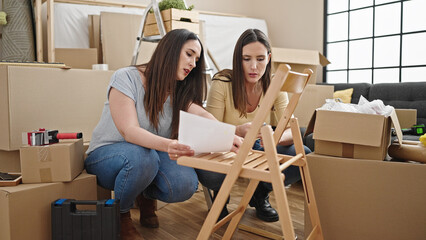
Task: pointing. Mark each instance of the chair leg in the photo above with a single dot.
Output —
(241, 208)
(306, 178)
(282, 207)
(277, 183)
(218, 204)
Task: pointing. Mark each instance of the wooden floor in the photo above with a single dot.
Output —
(184, 220)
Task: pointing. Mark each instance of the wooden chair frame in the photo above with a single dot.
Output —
(262, 166)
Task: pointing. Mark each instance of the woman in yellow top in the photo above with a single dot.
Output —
(234, 98)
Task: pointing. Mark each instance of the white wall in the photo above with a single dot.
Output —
(291, 23)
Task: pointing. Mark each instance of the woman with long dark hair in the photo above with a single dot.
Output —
(133, 147)
(234, 97)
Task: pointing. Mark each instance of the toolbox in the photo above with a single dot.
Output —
(69, 222)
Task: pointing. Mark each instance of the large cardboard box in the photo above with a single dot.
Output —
(313, 97)
(59, 162)
(299, 59)
(368, 200)
(82, 58)
(25, 209)
(9, 161)
(352, 135)
(34, 97)
(119, 33)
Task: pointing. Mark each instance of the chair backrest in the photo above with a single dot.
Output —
(283, 80)
(295, 84)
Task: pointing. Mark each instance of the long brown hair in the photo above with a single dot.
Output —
(160, 73)
(239, 93)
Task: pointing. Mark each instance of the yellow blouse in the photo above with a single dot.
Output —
(220, 104)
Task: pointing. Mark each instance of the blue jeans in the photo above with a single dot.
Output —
(129, 170)
(214, 180)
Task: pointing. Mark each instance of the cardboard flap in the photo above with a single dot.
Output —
(395, 122)
(323, 60)
(310, 127)
(352, 128)
(298, 56)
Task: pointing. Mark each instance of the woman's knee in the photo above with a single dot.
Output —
(291, 150)
(183, 189)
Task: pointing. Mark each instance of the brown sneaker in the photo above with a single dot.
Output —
(147, 208)
(127, 230)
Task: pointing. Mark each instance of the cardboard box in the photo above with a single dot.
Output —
(352, 135)
(119, 32)
(59, 162)
(66, 100)
(173, 19)
(25, 209)
(406, 117)
(313, 97)
(94, 22)
(10, 161)
(82, 58)
(299, 59)
(369, 200)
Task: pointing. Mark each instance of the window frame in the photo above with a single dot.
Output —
(373, 37)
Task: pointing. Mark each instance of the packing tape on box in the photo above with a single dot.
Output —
(44, 154)
(45, 175)
(347, 150)
(103, 67)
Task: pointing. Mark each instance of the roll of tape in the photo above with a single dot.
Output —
(100, 67)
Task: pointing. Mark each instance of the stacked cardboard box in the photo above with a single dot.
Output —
(25, 209)
(32, 97)
(364, 199)
(358, 195)
(352, 135)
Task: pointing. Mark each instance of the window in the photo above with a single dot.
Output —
(375, 41)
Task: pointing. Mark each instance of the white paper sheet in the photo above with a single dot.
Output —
(205, 135)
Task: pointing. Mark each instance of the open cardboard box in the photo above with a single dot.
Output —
(299, 59)
(352, 135)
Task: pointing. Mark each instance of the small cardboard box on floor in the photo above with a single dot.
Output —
(25, 209)
(59, 162)
(38, 97)
(299, 59)
(352, 135)
(368, 200)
